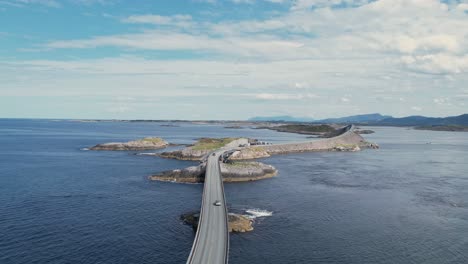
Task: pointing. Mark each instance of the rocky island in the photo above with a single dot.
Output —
(235, 168)
(148, 143)
(364, 131)
(236, 222)
(345, 139)
(232, 171)
(201, 148)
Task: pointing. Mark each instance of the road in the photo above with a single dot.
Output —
(211, 244)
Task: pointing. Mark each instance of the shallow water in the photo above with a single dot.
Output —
(404, 203)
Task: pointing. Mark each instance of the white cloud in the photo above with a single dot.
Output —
(426, 36)
(387, 49)
(442, 101)
(440, 63)
(306, 4)
(269, 96)
(19, 3)
(51, 3)
(205, 1)
(177, 20)
(243, 1)
(462, 7)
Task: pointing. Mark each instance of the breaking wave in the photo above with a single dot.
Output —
(147, 154)
(255, 213)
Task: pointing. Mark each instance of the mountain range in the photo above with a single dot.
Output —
(377, 119)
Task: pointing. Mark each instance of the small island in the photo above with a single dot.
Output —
(200, 149)
(364, 131)
(231, 171)
(148, 143)
(236, 168)
(236, 222)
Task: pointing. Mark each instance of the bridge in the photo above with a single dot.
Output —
(211, 244)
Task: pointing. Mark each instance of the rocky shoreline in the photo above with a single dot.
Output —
(202, 148)
(364, 131)
(148, 143)
(236, 222)
(233, 171)
(343, 139)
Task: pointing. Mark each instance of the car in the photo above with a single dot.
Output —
(214, 154)
(217, 203)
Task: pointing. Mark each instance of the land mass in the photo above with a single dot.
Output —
(343, 139)
(377, 119)
(236, 222)
(232, 171)
(148, 143)
(364, 131)
(200, 149)
(235, 168)
(453, 128)
(301, 129)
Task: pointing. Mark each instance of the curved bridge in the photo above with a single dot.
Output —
(211, 244)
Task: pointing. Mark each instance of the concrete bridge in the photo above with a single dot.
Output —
(211, 244)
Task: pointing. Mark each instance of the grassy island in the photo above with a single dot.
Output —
(212, 143)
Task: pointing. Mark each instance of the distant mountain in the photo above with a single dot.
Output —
(356, 119)
(461, 120)
(377, 120)
(281, 119)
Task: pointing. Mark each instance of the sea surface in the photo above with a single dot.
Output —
(59, 203)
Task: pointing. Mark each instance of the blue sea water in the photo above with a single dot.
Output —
(404, 203)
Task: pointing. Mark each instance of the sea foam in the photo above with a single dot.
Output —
(146, 154)
(254, 213)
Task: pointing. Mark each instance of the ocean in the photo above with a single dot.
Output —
(406, 202)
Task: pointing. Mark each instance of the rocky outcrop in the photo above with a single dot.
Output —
(236, 222)
(231, 172)
(348, 140)
(364, 131)
(203, 147)
(140, 144)
(249, 153)
(185, 154)
(236, 171)
(348, 148)
(193, 174)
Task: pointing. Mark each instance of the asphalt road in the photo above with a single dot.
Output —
(211, 244)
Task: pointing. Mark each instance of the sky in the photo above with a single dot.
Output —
(232, 59)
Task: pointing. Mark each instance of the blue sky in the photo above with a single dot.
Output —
(232, 59)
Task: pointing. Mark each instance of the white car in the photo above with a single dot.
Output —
(217, 203)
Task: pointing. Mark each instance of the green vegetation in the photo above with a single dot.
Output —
(242, 164)
(257, 149)
(152, 139)
(212, 143)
